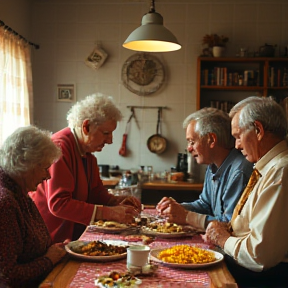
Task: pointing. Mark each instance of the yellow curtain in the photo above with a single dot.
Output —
(16, 92)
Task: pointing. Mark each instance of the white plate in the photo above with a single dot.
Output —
(154, 256)
(110, 230)
(76, 244)
(165, 235)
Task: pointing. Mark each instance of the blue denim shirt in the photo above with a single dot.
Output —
(222, 188)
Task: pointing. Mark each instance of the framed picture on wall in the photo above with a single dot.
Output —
(66, 93)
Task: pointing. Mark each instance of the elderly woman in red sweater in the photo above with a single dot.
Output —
(26, 251)
(75, 196)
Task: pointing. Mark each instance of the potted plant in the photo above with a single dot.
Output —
(216, 43)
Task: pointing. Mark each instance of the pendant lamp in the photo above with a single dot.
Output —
(152, 36)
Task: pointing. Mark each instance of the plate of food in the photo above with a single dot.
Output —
(116, 279)
(144, 239)
(186, 256)
(107, 250)
(164, 229)
(109, 226)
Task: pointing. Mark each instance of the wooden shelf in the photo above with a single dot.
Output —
(225, 96)
(179, 186)
(214, 87)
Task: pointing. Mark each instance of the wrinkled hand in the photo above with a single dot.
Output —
(216, 233)
(120, 213)
(132, 201)
(55, 253)
(172, 211)
(62, 245)
(164, 204)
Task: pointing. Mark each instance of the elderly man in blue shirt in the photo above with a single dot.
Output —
(208, 133)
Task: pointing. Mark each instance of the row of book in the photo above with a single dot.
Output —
(220, 76)
(277, 77)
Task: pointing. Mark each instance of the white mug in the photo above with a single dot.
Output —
(138, 255)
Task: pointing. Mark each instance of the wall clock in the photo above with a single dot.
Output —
(143, 74)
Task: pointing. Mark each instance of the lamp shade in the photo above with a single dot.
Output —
(152, 36)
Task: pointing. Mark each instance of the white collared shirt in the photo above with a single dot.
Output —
(260, 237)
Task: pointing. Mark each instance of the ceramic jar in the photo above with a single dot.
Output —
(218, 51)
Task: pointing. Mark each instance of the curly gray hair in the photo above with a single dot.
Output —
(263, 109)
(25, 148)
(212, 120)
(97, 108)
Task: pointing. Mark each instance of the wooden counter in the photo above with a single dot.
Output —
(110, 183)
(153, 192)
(172, 186)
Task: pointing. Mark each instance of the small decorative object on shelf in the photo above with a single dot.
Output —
(218, 51)
(216, 44)
(286, 51)
(243, 52)
(267, 50)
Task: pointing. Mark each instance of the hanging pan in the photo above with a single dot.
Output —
(157, 143)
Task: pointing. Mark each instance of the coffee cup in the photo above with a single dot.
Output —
(138, 255)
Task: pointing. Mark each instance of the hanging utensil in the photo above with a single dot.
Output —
(157, 143)
(123, 148)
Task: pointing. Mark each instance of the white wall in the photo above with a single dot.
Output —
(17, 15)
(68, 30)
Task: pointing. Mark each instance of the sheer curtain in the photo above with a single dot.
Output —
(16, 93)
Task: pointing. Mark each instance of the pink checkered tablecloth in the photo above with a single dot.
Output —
(165, 277)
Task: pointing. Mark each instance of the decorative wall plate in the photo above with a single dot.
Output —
(143, 74)
(96, 59)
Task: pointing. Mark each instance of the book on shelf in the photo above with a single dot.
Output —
(221, 76)
(277, 77)
(251, 78)
(283, 77)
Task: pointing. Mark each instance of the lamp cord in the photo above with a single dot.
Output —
(152, 7)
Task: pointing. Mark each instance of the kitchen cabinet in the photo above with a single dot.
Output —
(222, 82)
(153, 192)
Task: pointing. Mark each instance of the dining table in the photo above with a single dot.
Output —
(75, 272)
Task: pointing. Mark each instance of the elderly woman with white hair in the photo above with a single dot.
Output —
(75, 196)
(26, 251)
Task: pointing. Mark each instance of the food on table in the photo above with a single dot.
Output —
(186, 254)
(140, 221)
(110, 224)
(147, 269)
(115, 279)
(139, 238)
(98, 248)
(163, 227)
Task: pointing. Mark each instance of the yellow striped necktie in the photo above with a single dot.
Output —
(247, 191)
